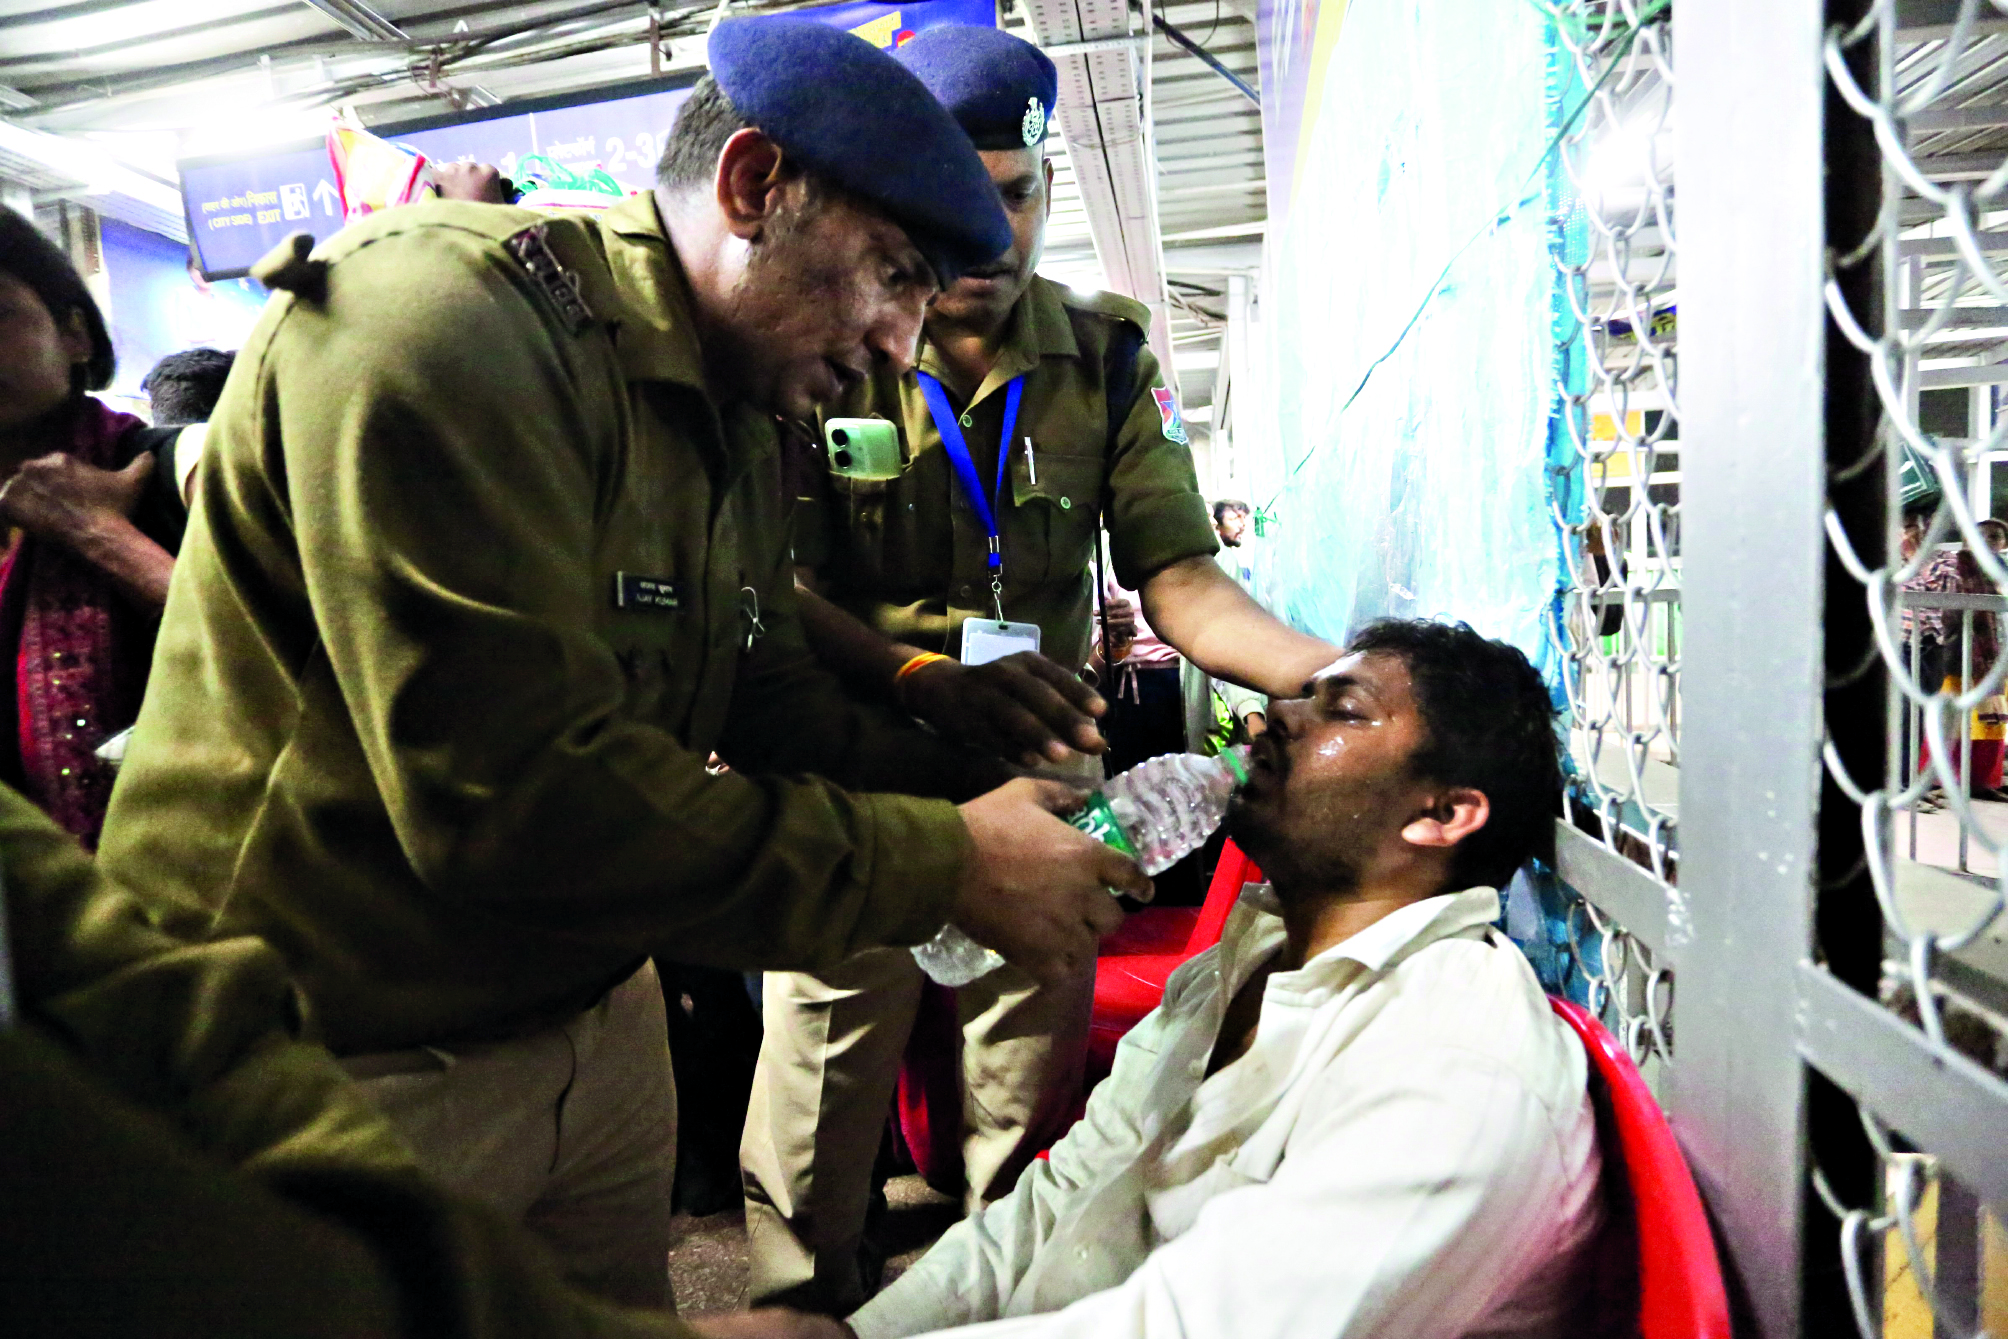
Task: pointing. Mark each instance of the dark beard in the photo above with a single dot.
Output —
(1294, 868)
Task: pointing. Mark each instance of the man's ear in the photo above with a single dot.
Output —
(749, 181)
(1457, 813)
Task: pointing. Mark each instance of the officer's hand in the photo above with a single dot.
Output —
(1122, 630)
(770, 1322)
(1023, 708)
(480, 182)
(1037, 889)
(61, 498)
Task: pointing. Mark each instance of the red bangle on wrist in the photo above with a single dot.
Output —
(919, 662)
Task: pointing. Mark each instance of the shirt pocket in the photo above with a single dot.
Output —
(1053, 520)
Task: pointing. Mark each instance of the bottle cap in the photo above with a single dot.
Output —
(1236, 759)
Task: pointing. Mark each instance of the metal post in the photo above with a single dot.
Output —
(1956, 1262)
(1751, 184)
(1965, 722)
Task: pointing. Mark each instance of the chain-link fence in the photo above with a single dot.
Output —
(1920, 293)
(1614, 457)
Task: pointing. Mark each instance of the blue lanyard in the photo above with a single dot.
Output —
(950, 428)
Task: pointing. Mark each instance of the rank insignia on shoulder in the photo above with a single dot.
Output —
(1167, 410)
(645, 594)
(532, 249)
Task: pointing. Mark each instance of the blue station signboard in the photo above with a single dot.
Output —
(240, 206)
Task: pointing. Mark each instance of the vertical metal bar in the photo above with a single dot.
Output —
(1915, 714)
(1847, 924)
(1965, 721)
(1752, 341)
(1956, 1262)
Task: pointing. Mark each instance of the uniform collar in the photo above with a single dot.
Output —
(658, 341)
(1038, 329)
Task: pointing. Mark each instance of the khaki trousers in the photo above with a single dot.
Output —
(828, 1066)
(570, 1131)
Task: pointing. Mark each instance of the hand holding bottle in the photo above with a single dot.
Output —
(1037, 888)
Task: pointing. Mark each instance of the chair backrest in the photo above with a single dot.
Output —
(1680, 1291)
(1234, 870)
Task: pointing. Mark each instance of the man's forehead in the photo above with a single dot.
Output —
(1381, 673)
(1009, 165)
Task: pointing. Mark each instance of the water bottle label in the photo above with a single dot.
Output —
(1098, 820)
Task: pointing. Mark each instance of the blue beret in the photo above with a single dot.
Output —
(855, 116)
(1000, 88)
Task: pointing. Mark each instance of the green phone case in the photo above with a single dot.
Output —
(862, 448)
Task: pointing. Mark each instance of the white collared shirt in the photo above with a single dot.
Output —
(1405, 1149)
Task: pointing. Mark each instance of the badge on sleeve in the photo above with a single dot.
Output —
(1167, 409)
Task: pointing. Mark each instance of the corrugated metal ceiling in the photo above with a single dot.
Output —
(149, 80)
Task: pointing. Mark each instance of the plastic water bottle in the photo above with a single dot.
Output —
(1157, 813)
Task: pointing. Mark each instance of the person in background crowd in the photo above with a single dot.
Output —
(1143, 680)
(1138, 674)
(95, 516)
(1244, 707)
(1920, 635)
(1064, 420)
(183, 387)
(1355, 1116)
(1230, 522)
(458, 629)
(1955, 571)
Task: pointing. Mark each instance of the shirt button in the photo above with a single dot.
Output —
(964, 592)
(1066, 504)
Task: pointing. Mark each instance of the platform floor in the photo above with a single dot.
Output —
(707, 1256)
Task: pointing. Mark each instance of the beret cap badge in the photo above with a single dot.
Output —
(1034, 125)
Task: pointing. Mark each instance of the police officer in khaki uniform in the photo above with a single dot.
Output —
(490, 556)
(1022, 371)
(176, 1161)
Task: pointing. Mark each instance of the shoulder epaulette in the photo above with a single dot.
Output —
(1108, 304)
(532, 249)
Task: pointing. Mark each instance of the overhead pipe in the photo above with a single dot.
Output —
(1207, 57)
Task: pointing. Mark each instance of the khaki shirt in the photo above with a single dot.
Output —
(412, 717)
(174, 1160)
(908, 556)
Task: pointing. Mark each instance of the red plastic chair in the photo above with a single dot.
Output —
(1679, 1292)
(1137, 960)
(1134, 963)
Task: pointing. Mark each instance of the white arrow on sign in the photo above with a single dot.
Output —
(330, 199)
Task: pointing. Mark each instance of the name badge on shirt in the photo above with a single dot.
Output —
(644, 594)
(985, 639)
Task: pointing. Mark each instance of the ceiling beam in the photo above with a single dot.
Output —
(361, 22)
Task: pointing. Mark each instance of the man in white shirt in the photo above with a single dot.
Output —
(1356, 1115)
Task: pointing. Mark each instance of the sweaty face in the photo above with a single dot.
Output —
(1330, 781)
(832, 289)
(36, 355)
(986, 294)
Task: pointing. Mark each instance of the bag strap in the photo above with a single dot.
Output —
(1119, 394)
